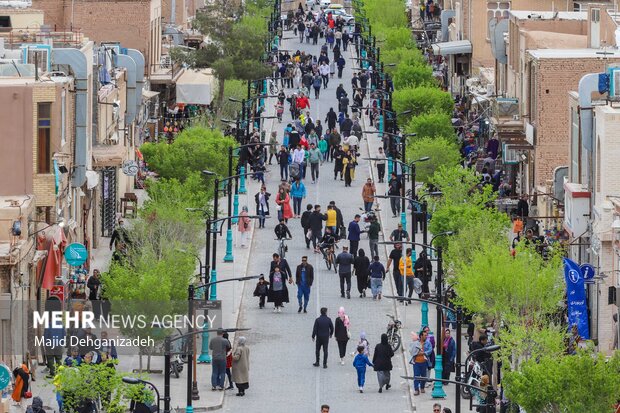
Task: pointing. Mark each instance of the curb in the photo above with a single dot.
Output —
(403, 351)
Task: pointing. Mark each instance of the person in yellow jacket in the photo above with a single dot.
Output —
(406, 267)
(332, 218)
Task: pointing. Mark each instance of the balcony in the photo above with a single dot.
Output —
(165, 72)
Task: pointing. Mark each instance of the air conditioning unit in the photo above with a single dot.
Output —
(506, 107)
(614, 82)
(39, 54)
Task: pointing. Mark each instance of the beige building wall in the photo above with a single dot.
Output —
(476, 15)
(24, 19)
(553, 78)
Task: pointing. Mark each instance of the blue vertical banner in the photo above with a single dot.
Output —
(576, 298)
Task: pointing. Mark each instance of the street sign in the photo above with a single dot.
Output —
(58, 291)
(76, 254)
(207, 305)
(587, 271)
(214, 312)
(5, 376)
(130, 167)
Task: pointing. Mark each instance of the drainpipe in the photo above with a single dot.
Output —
(128, 63)
(138, 58)
(78, 63)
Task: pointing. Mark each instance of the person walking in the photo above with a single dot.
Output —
(283, 161)
(424, 272)
(394, 188)
(317, 82)
(361, 265)
(354, 232)
(394, 257)
(314, 158)
(243, 226)
(229, 361)
(316, 225)
(449, 355)
(381, 164)
(241, 366)
(262, 205)
(373, 236)
(324, 72)
(331, 217)
(219, 347)
(406, 267)
(278, 293)
(273, 146)
(399, 234)
(261, 291)
(340, 63)
(342, 333)
(418, 360)
(344, 260)
(360, 362)
(368, 194)
(298, 192)
(322, 332)
(376, 271)
(324, 148)
(283, 202)
(382, 361)
(304, 277)
(305, 224)
(331, 119)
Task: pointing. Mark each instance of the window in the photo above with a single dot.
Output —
(5, 23)
(44, 150)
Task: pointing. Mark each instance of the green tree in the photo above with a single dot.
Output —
(431, 125)
(420, 100)
(585, 382)
(236, 89)
(393, 37)
(401, 56)
(389, 13)
(234, 48)
(490, 226)
(442, 151)
(194, 149)
(413, 76)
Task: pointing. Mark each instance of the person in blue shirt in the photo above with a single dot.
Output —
(360, 362)
(298, 193)
(73, 359)
(354, 234)
(304, 277)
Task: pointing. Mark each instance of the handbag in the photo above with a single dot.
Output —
(348, 333)
(28, 395)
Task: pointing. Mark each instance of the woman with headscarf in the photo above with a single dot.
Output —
(382, 362)
(429, 348)
(283, 200)
(418, 360)
(449, 355)
(22, 382)
(342, 333)
(361, 265)
(277, 293)
(241, 366)
(244, 226)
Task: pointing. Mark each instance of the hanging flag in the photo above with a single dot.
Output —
(576, 298)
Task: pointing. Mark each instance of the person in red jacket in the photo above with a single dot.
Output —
(303, 102)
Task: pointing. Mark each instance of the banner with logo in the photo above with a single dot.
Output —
(576, 298)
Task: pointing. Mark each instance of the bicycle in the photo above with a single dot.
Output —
(330, 257)
(282, 248)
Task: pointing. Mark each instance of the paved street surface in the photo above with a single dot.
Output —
(282, 378)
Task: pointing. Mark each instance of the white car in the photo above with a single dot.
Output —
(321, 3)
(337, 10)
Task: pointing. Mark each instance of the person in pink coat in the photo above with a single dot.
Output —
(284, 205)
(244, 226)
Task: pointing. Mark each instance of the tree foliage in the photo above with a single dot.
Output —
(194, 149)
(431, 125)
(442, 152)
(413, 76)
(401, 56)
(584, 382)
(394, 37)
(420, 100)
(389, 13)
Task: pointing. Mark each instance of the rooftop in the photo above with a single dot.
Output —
(574, 53)
(549, 15)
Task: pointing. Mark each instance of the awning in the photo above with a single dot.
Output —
(109, 155)
(448, 48)
(149, 94)
(196, 87)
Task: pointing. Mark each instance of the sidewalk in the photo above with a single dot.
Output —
(229, 293)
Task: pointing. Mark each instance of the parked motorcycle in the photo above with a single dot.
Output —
(393, 332)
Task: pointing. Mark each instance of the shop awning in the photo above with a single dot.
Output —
(149, 94)
(196, 87)
(109, 155)
(449, 48)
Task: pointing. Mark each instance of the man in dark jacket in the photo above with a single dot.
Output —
(316, 224)
(354, 234)
(304, 277)
(340, 92)
(423, 269)
(343, 104)
(382, 362)
(331, 119)
(346, 126)
(344, 260)
(305, 223)
(322, 331)
(282, 264)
